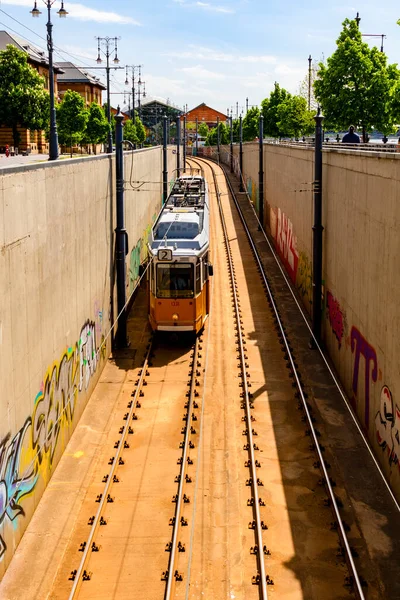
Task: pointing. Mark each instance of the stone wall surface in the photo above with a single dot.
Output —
(57, 255)
(361, 275)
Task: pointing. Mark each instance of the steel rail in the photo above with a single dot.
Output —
(179, 502)
(246, 399)
(303, 399)
(88, 548)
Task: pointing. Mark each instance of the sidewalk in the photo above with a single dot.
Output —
(16, 161)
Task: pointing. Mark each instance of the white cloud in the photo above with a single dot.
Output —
(205, 6)
(210, 7)
(200, 73)
(82, 12)
(201, 53)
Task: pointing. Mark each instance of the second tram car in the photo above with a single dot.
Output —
(179, 289)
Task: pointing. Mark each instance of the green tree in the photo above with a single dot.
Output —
(294, 118)
(212, 136)
(357, 86)
(24, 100)
(251, 124)
(130, 132)
(140, 131)
(203, 129)
(72, 117)
(97, 125)
(269, 110)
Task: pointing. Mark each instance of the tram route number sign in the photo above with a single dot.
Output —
(164, 254)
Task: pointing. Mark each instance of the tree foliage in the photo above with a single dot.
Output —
(251, 124)
(224, 135)
(203, 129)
(294, 118)
(72, 117)
(140, 131)
(357, 86)
(269, 110)
(130, 132)
(24, 100)
(97, 126)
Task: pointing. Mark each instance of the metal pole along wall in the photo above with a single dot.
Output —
(231, 119)
(178, 146)
(184, 143)
(165, 165)
(317, 230)
(218, 140)
(261, 173)
(241, 188)
(121, 236)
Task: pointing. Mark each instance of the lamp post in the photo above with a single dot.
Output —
(35, 12)
(309, 82)
(106, 42)
(133, 68)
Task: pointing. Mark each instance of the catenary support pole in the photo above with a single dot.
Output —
(261, 172)
(197, 136)
(165, 165)
(178, 146)
(241, 188)
(184, 143)
(317, 230)
(231, 120)
(218, 141)
(121, 236)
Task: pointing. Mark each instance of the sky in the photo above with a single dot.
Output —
(195, 51)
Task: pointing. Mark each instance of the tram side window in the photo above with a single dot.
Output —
(198, 277)
(175, 281)
(205, 267)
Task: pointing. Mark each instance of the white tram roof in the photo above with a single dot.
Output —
(186, 231)
(183, 223)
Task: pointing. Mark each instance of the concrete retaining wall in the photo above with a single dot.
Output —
(57, 241)
(361, 275)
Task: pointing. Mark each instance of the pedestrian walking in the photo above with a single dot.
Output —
(7, 151)
(351, 137)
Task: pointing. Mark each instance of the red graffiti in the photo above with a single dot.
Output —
(335, 316)
(361, 347)
(286, 244)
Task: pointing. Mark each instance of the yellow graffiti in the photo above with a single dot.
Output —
(304, 278)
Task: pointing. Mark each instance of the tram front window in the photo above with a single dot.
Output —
(175, 281)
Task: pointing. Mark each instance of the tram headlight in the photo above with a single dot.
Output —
(175, 317)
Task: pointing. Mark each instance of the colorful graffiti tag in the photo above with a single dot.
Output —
(387, 424)
(29, 454)
(361, 347)
(335, 316)
(304, 277)
(286, 244)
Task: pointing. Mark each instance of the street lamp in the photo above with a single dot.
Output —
(106, 42)
(35, 12)
(133, 68)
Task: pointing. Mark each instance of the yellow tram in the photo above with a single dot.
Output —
(179, 289)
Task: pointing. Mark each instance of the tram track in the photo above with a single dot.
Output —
(117, 546)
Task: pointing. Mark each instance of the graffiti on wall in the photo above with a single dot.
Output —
(28, 455)
(286, 244)
(387, 425)
(335, 316)
(362, 349)
(138, 255)
(304, 277)
(252, 192)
